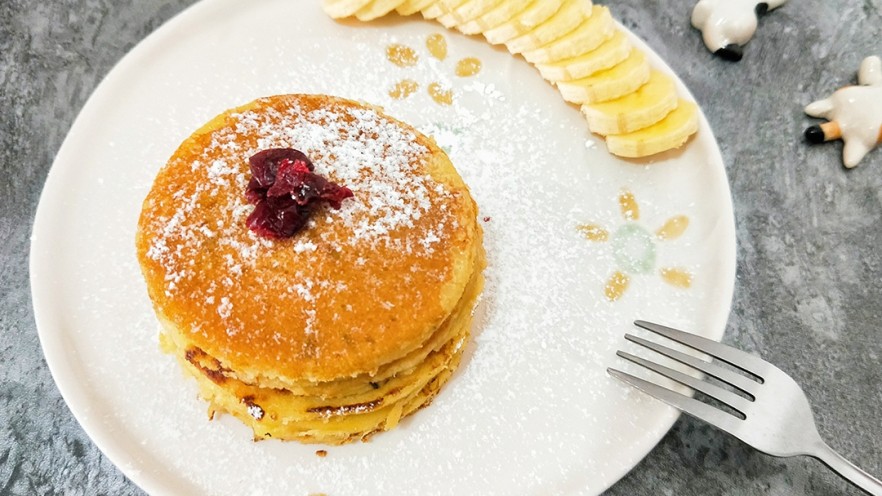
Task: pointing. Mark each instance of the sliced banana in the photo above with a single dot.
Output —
(566, 19)
(410, 7)
(642, 108)
(339, 9)
(612, 52)
(618, 81)
(575, 46)
(441, 7)
(470, 10)
(585, 38)
(669, 133)
(525, 21)
(504, 11)
(376, 9)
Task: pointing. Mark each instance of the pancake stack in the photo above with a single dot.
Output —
(351, 324)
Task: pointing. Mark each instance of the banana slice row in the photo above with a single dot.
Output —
(578, 48)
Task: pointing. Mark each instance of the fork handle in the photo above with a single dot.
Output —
(846, 469)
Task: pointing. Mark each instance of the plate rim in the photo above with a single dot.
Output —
(59, 361)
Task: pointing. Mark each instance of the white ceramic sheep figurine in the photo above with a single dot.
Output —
(854, 114)
(727, 25)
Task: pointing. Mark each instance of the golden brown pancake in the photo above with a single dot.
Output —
(367, 305)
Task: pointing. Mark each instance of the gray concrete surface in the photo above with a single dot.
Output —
(809, 281)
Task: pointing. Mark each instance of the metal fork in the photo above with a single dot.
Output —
(777, 418)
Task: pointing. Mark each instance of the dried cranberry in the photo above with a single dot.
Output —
(265, 164)
(272, 222)
(284, 191)
(297, 181)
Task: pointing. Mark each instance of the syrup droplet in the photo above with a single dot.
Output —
(673, 228)
(468, 67)
(404, 89)
(628, 205)
(437, 46)
(401, 55)
(677, 277)
(440, 95)
(616, 286)
(593, 232)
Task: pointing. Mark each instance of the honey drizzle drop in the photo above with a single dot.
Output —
(593, 232)
(677, 277)
(616, 286)
(468, 67)
(673, 228)
(401, 55)
(404, 89)
(440, 95)
(437, 46)
(628, 205)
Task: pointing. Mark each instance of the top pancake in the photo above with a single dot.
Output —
(357, 288)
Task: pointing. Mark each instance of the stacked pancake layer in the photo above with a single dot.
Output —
(348, 326)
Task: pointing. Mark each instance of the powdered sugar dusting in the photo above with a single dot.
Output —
(382, 162)
(544, 333)
(225, 308)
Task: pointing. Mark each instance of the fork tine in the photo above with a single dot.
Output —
(697, 409)
(736, 380)
(715, 392)
(736, 358)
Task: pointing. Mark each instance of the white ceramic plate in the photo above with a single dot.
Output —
(531, 411)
